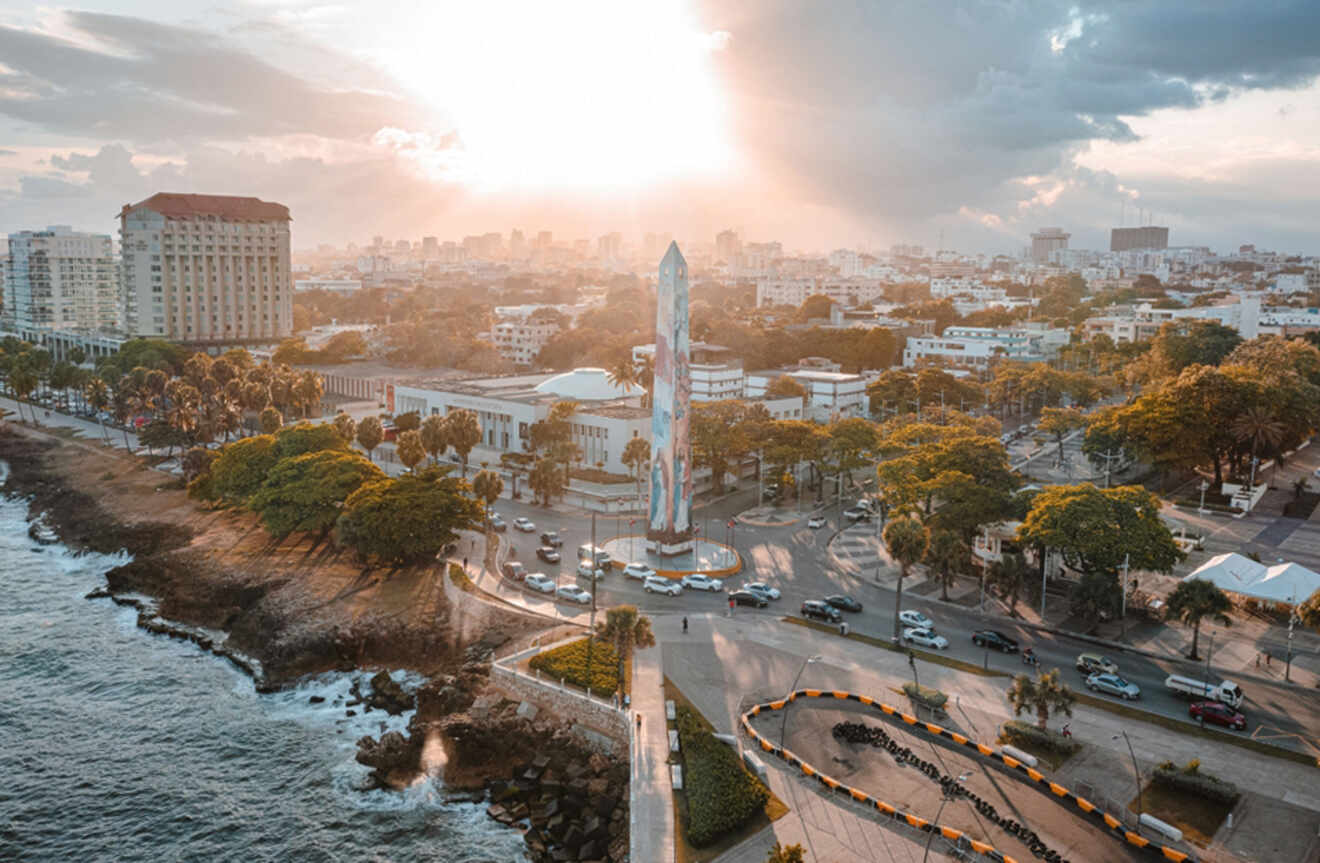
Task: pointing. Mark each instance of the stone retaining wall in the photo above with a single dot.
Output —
(603, 726)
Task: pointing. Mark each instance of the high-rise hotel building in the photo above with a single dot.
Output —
(59, 279)
(206, 268)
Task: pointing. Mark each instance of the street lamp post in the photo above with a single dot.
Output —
(1292, 622)
(1141, 807)
(949, 792)
(1205, 486)
(783, 724)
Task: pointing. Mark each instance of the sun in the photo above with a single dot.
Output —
(583, 94)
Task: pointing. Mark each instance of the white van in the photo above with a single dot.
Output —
(594, 553)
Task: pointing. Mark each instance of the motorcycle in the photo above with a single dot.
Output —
(1029, 658)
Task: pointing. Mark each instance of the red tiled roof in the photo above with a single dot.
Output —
(178, 206)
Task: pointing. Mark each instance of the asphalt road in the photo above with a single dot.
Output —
(794, 559)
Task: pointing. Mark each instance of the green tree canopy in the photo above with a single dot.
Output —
(306, 437)
(409, 519)
(1095, 529)
(307, 492)
(719, 438)
(238, 472)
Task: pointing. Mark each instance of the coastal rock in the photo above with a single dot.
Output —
(389, 696)
(394, 758)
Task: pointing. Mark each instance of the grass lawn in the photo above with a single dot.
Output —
(685, 853)
(1196, 817)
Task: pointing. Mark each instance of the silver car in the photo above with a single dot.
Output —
(1113, 685)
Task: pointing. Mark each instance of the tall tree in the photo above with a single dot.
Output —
(1009, 575)
(463, 433)
(907, 540)
(98, 399)
(627, 630)
(947, 556)
(435, 436)
(719, 440)
(1097, 530)
(370, 433)
(1192, 601)
(346, 426)
(1045, 695)
(637, 457)
(307, 492)
(1258, 427)
(409, 519)
(271, 420)
(410, 449)
(410, 421)
(1059, 422)
(546, 479)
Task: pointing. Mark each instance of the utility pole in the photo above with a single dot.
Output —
(1122, 612)
(1292, 622)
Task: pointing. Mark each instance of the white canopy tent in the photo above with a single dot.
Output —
(1285, 582)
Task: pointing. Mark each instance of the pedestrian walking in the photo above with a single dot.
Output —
(685, 625)
(639, 723)
(1267, 657)
(465, 564)
(731, 603)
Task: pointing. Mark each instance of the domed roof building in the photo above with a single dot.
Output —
(587, 385)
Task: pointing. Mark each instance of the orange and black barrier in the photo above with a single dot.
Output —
(1085, 807)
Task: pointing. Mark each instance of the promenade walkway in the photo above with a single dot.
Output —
(652, 813)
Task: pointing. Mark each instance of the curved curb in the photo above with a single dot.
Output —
(1100, 818)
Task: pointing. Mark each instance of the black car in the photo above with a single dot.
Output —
(997, 640)
(515, 570)
(845, 603)
(551, 539)
(821, 609)
(746, 597)
(548, 554)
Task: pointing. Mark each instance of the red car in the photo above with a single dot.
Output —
(1217, 714)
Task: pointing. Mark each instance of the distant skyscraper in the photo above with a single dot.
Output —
(1047, 240)
(60, 279)
(610, 246)
(430, 248)
(670, 527)
(1146, 237)
(544, 239)
(727, 247)
(206, 268)
(517, 245)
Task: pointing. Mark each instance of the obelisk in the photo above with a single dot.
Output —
(670, 529)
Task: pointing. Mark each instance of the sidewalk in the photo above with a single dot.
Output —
(652, 811)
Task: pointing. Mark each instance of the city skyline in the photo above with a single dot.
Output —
(962, 123)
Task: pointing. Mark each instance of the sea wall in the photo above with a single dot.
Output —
(595, 720)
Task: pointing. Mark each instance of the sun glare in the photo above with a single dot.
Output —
(581, 94)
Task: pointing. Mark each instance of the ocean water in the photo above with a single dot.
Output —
(118, 745)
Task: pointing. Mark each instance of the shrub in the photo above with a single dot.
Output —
(1189, 780)
(721, 795)
(1024, 733)
(932, 698)
(569, 662)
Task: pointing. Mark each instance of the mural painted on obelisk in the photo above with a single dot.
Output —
(671, 449)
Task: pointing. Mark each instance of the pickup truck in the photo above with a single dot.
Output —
(1227, 692)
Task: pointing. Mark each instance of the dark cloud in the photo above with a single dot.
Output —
(153, 82)
(903, 111)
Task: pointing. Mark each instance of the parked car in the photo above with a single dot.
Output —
(698, 581)
(843, 602)
(573, 593)
(915, 619)
(1112, 684)
(760, 587)
(1217, 714)
(548, 554)
(551, 539)
(639, 571)
(925, 637)
(524, 524)
(660, 584)
(514, 570)
(821, 609)
(497, 523)
(856, 514)
(746, 597)
(585, 570)
(816, 521)
(540, 581)
(994, 638)
(1094, 663)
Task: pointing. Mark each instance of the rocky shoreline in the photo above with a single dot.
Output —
(570, 802)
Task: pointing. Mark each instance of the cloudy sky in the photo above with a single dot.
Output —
(820, 124)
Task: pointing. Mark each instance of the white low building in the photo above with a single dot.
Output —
(1144, 320)
(794, 292)
(520, 342)
(716, 373)
(829, 394)
(334, 286)
(978, 347)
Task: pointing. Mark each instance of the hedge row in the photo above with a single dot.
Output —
(1051, 741)
(569, 663)
(1189, 780)
(721, 795)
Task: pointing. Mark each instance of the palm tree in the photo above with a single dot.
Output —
(487, 486)
(23, 381)
(1195, 599)
(435, 436)
(627, 630)
(1010, 576)
(646, 379)
(622, 374)
(637, 455)
(948, 555)
(1259, 426)
(98, 399)
(463, 431)
(309, 390)
(907, 540)
(1045, 695)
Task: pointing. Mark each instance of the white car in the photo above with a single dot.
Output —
(659, 584)
(639, 571)
(524, 524)
(697, 581)
(573, 593)
(916, 619)
(585, 571)
(816, 521)
(925, 637)
(760, 588)
(540, 581)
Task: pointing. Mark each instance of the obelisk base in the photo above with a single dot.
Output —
(669, 546)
